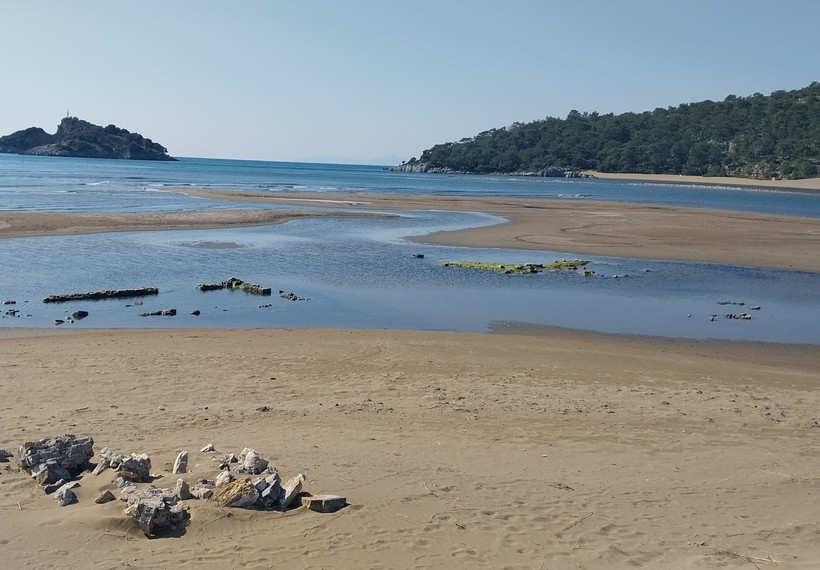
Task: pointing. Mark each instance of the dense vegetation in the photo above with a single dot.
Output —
(78, 138)
(775, 136)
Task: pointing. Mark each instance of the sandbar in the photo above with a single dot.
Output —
(641, 231)
(26, 224)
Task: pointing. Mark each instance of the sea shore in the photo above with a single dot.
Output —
(529, 448)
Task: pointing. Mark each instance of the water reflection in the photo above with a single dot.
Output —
(359, 272)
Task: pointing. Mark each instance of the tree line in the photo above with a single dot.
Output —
(774, 136)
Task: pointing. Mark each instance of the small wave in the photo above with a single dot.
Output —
(100, 183)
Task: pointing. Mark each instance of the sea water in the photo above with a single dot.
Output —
(363, 272)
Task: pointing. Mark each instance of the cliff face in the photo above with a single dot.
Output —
(78, 138)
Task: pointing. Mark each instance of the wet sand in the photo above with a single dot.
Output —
(599, 228)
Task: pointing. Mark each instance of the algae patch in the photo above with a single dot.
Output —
(522, 268)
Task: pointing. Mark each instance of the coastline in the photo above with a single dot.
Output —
(452, 449)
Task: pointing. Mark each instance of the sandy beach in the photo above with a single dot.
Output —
(526, 448)
(554, 450)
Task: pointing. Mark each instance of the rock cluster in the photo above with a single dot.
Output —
(235, 283)
(56, 463)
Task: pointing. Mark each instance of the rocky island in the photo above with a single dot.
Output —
(78, 138)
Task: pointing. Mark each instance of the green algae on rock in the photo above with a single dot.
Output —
(520, 268)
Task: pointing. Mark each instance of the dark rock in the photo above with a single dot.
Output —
(291, 296)
(106, 294)
(235, 283)
(66, 451)
(64, 495)
(136, 468)
(196, 313)
(324, 503)
(79, 315)
(160, 313)
(155, 510)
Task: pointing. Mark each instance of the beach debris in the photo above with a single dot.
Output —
(154, 509)
(209, 448)
(160, 313)
(235, 283)
(105, 294)
(105, 497)
(520, 268)
(291, 296)
(5, 455)
(251, 462)
(50, 459)
(181, 463)
(324, 503)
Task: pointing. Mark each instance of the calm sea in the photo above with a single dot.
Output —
(362, 272)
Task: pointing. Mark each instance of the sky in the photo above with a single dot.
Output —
(379, 81)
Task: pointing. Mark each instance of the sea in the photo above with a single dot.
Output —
(364, 272)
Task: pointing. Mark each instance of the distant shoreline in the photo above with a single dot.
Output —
(811, 184)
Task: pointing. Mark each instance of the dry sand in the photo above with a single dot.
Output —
(550, 449)
(558, 450)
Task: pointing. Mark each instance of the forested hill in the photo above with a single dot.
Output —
(78, 138)
(774, 136)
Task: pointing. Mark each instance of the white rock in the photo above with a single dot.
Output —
(291, 490)
(181, 463)
(224, 478)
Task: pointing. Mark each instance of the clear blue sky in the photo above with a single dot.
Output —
(367, 79)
